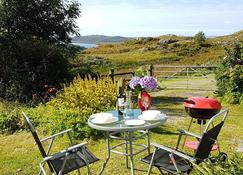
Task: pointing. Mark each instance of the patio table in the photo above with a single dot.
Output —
(120, 127)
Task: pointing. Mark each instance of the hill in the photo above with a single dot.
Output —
(99, 39)
(162, 50)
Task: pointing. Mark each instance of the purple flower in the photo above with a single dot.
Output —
(148, 82)
(134, 82)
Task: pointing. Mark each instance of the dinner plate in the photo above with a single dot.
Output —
(103, 122)
(134, 122)
(148, 118)
(103, 118)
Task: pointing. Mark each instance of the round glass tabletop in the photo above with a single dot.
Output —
(126, 124)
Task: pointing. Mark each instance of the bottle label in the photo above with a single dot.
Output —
(120, 101)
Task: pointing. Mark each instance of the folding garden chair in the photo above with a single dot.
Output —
(64, 161)
(173, 161)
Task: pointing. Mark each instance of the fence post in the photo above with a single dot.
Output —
(187, 77)
(151, 67)
(112, 75)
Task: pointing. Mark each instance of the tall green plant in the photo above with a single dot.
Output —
(229, 74)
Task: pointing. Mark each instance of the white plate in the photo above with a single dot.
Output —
(151, 112)
(103, 118)
(134, 122)
(103, 122)
(148, 118)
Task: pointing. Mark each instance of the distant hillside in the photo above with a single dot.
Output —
(99, 39)
(163, 50)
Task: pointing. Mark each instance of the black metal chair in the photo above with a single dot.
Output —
(65, 161)
(173, 161)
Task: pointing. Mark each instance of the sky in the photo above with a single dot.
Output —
(136, 18)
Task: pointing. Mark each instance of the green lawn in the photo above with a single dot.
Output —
(19, 155)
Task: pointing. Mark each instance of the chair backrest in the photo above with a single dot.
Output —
(207, 141)
(210, 136)
(34, 134)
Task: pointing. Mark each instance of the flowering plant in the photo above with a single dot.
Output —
(140, 85)
(143, 83)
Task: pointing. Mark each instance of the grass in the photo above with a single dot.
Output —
(19, 155)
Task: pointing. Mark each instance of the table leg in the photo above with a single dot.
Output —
(131, 153)
(148, 141)
(126, 149)
(108, 155)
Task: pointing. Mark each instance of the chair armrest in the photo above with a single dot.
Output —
(63, 152)
(173, 151)
(182, 131)
(55, 135)
(76, 146)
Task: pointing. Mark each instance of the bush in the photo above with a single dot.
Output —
(26, 66)
(229, 75)
(199, 38)
(72, 108)
(233, 166)
(9, 118)
(90, 65)
(9, 122)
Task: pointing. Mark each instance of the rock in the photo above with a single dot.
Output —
(167, 41)
(19, 169)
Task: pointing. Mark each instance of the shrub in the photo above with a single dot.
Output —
(229, 75)
(89, 65)
(9, 118)
(26, 66)
(72, 108)
(9, 122)
(210, 167)
(199, 38)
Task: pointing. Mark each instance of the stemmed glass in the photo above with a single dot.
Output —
(124, 110)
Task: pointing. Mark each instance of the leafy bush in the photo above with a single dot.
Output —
(188, 50)
(90, 65)
(199, 38)
(229, 75)
(72, 108)
(9, 118)
(9, 122)
(26, 66)
(233, 166)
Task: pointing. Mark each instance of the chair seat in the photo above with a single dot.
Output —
(162, 161)
(194, 145)
(73, 161)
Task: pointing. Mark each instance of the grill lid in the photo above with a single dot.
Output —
(202, 103)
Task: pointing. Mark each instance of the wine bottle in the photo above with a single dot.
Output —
(120, 98)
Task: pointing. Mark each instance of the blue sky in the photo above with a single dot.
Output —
(158, 17)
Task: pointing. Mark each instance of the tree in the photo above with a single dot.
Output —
(200, 38)
(48, 20)
(33, 35)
